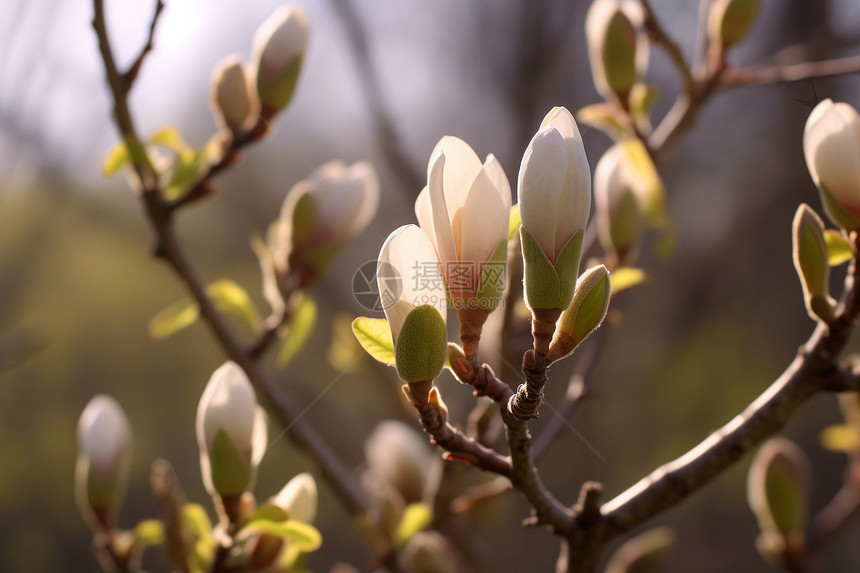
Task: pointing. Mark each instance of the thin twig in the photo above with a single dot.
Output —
(131, 75)
(673, 50)
(789, 72)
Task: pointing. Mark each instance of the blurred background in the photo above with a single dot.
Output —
(715, 323)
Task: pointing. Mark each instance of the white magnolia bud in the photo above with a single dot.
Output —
(299, 498)
(104, 457)
(232, 99)
(279, 48)
(617, 47)
(231, 432)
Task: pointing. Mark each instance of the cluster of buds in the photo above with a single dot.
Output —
(242, 93)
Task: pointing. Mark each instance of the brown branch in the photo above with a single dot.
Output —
(659, 37)
(808, 374)
(830, 520)
(789, 72)
(131, 74)
(169, 248)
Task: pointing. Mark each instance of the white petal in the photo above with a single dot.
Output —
(541, 181)
(227, 403)
(831, 145)
(425, 215)
(260, 436)
(411, 253)
(278, 40)
(497, 175)
(364, 172)
(103, 432)
(299, 498)
(461, 167)
(486, 215)
(445, 241)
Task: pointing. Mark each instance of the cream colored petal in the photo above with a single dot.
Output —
(424, 214)
(411, 253)
(461, 167)
(443, 231)
(540, 185)
(260, 436)
(575, 201)
(832, 150)
(485, 220)
(103, 432)
(364, 172)
(227, 403)
(497, 176)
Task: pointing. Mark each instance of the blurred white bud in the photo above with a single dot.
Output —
(231, 432)
(299, 498)
(400, 457)
(617, 46)
(729, 21)
(279, 48)
(232, 100)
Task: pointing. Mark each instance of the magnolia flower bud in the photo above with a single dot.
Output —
(617, 202)
(729, 21)
(831, 145)
(299, 498)
(104, 459)
(399, 456)
(427, 552)
(554, 191)
(231, 99)
(414, 303)
(778, 487)
(617, 47)
(585, 313)
(321, 214)
(231, 432)
(279, 48)
(464, 210)
(810, 260)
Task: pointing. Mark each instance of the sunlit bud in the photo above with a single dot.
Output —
(279, 49)
(778, 487)
(729, 21)
(642, 553)
(617, 46)
(585, 313)
(321, 214)
(618, 205)
(400, 457)
(104, 458)
(554, 191)
(461, 366)
(809, 253)
(299, 498)
(415, 309)
(231, 432)
(427, 552)
(465, 211)
(232, 99)
(831, 144)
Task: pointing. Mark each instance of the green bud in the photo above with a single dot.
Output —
(778, 487)
(616, 48)
(811, 262)
(230, 470)
(549, 286)
(422, 345)
(730, 20)
(585, 313)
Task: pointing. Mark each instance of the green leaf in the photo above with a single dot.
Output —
(149, 532)
(839, 438)
(416, 517)
(542, 288)
(838, 249)
(173, 319)
(186, 168)
(603, 117)
(267, 512)
(514, 222)
(231, 471)
(652, 186)
(296, 533)
(422, 347)
(834, 210)
(231, 298)
(197, 520)
(299, 330)
(170, 138)
(374, 335)
(117, 158)
(567, 268)
(626, 277)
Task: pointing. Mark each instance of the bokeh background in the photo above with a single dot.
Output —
(715, 323)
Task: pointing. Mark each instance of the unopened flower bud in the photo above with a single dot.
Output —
(831, 145)
(617, 46)
(400, 457)
(104, 459)
(279, 49)
(810, 260)
(231, 432)
(585, 313)
(299, 498)
(618, 205)
(232, 99)
(778, 487)
(729, 21)
(427, 552)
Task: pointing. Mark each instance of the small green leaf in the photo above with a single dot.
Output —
(299, 534)
(514, 222)
(117, 158)
(170, 138)
(197, 520)
(839, 438)
(267, 512)
(541, 288)
(603, 117)
(649, 178)
(231, 471)
(186, 168)
(173, 319)
(838, 249)
(626, 277)
(299, 330)
(422, 346)
(374, 335)
(416, 517)
(149, 532)
(231, 298)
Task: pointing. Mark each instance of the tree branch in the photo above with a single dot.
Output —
(789, 72)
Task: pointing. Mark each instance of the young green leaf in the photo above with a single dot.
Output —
(299, 534)
(416, 516)
(626, 277)
(117, 158)
(839, 438)
(231, 298)
(374, 335)
(186, 167)
(838, 249)
(172, 319)
(267, 512)
(169, 138)
(299, 330)
(149, 532)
